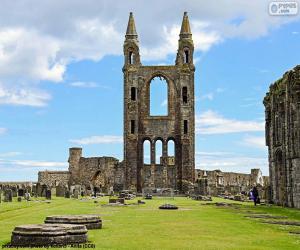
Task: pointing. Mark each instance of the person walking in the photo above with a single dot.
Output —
(255, 195)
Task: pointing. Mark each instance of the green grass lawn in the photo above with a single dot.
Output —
(193, 226)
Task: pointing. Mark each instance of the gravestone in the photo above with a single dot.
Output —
(27, 196)
(21, 192)
(48, 194)
(53, 191)
(33, 190)
(14, 192)
(8, 195)
(19, 199)
(38, 189)
(67, 194)
(76, 194)
(44, 190)
(60, 191)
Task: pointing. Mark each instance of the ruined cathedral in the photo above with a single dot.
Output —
(282, 109)
(177, 126)
(176, 129)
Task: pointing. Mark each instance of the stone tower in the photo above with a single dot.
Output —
(282, 110)
(74, 156)
(178, 125)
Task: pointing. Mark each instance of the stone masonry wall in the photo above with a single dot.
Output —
(53, 178)
(282, 115)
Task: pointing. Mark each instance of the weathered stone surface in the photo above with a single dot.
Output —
(116, 200)
(54, 178)
(90, 221)
(178, 125)
(8, 195)
(48, 194)
(201, 198)
(216, 182)
(48, 234)
(21, 192)
(282, 114)
(168, 207)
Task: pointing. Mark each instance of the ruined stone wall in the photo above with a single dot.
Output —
(98, 171)
(103, 172)
(282, 114)
(178, 125)
(163, 176)
(53, 178)
(218, 182)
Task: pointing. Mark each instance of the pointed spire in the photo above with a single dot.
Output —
(131, 31)
(185, 31)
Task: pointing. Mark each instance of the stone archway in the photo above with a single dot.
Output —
(98, 180)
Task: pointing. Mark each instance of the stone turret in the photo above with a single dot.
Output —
(74, 156)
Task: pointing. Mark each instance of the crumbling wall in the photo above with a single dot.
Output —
(282, 117)
(53, 178)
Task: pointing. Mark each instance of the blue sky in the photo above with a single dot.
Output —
(61, 81)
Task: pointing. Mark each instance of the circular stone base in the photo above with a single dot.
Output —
(168, 206)
(48, 235)
(90, 221)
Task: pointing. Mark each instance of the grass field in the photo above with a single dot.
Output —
(193, 226)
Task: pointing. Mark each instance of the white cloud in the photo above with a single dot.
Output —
(211, 122)
(220, 90)
(40, 39)
(255, 141)
(14, 95)
(164, 103)
(208, 96)
(84, 84)
(203, 40)
(10, 154)
(3, 131)
(104, 139)
(218, 153)
(32, 163)
(231, 162)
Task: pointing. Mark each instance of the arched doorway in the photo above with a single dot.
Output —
(98, 180)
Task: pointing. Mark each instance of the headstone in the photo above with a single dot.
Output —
(44, 190)
(8, 195)
(48, 194)
(19, 199)
(53, 191)
(67, 194)
(60, 191)
(33, 190)
(14, 192)
(38, 189)
(27, 196)
(76, 194)
(21, 192)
